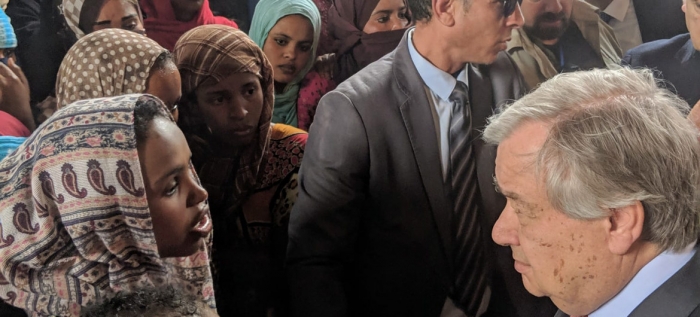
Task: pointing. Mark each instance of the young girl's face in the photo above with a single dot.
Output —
(178, 203)
(289, 46)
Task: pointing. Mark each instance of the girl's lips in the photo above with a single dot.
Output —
(204, 226)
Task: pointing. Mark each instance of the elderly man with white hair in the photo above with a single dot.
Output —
(601, 171)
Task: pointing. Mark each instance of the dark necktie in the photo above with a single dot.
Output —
(470, 284)
(605, 17)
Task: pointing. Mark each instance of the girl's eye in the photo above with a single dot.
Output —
(250, 91)
(173, 188)
(281, 42)
(383, 19)
(306, 48)
(218, 100)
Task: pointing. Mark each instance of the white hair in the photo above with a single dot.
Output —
(616, 138)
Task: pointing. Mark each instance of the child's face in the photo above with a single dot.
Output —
(178, 203)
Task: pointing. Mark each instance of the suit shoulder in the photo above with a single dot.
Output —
(659, 49)
(370, 82)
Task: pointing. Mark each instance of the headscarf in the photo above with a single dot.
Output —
(267, 13)
(212, 53)
(8, 39)
(162, 26)
(81, 14)
(105, 63)
(356, 49)
(75, 226)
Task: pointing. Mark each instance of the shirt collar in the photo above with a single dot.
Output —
(438, 81)
(618, 9)
(647, 280)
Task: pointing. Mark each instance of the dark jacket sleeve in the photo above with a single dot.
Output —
(42, 42)
(325, 220)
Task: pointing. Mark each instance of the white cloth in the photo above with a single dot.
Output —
(624, 24)
(647, 280)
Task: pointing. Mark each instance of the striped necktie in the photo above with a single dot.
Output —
(470, 284)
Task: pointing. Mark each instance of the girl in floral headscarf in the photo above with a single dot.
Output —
(101, 198)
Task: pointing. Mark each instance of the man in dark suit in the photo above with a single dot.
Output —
(676, 60)
(396, 196)
(603, 195)
(640, 21)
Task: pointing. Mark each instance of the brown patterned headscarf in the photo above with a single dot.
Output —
(106, 63)
(209, 54)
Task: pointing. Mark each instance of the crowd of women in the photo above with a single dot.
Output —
(166, 148)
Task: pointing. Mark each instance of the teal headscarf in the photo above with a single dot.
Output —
(267, 13)
(7, 33)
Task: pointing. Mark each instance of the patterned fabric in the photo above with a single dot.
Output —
(213, 52)
(74, 220)
(267, 13)
(8, 39)
(105, 63)
(325, 42)
(313, 87)
(80, 14)
(251, 241)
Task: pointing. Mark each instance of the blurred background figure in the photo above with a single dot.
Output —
(640, 21)
(167, 20)
(676, 61)
(365, 30)
(561, 36)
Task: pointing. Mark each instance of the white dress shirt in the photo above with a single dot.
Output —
(624, 24)
(647, 280)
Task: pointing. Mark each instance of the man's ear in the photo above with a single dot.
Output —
(443, 11)
(625, 226)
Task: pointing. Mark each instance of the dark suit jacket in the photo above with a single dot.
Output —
(676, 61)
(660, 19)
(677, 297)
(370, 234)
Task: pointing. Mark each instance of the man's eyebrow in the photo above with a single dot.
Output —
(508, 194)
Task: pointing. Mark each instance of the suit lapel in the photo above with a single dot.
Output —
(418, 119)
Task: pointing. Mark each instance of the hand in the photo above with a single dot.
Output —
(325, 65)
(14, 93)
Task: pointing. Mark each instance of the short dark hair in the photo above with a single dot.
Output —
(162, 61)
(421, 10)
(145, 302)
(147, 108)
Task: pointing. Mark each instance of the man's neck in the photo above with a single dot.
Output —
(435, 49)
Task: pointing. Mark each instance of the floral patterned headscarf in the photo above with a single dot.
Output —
(75, 226)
